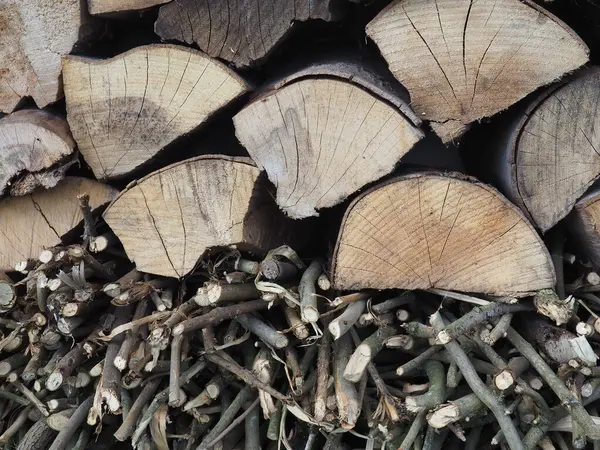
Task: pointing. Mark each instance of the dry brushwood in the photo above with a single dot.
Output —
(463, 60)
(116, 6)
(35, 150)
(235, 31)
(449, 232)
(322, 139)
(31, 48)
(31, 223)
(168, 219)
(124, 110)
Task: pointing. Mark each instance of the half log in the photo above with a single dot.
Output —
(31, 223)
(167, 220)
(124, 110)
(36, 145)
(463, 60)
(237, 31)
(321, 139)
(584, 225)
(548, 154)
(31, 47)
(430, 230)
(113, 6)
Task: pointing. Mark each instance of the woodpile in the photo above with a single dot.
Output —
(297, 224)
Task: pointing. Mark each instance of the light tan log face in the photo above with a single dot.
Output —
(112, 6)
(31, 47)
(238, 31)
(123, 111)
(463, 60)
(557, 153)
(429, 230)
(31, 141)
(320, 140)
(170, 218)
(29, 224)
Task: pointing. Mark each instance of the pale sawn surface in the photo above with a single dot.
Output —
(320, 140)
(238, 31)
(463, 60)
(557, 155)
(111, 6)
(430, 230)
(171, 217)
(584, 225)
(124, 110)
(31, 141)
(31, 47)
(31, 223)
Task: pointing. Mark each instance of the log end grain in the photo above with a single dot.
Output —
(430, 230)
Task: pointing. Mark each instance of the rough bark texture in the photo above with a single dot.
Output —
(462, 60)
(320, 140)
(171, 217)
(32, 142)
(31, 223)
(112, 6)
(31, 47)
(430, 230)
(237, 31)
(584, 224)
(124, 110)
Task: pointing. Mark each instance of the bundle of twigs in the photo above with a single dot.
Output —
(263, 354)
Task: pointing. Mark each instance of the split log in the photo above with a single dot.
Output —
(463, 60)
(34, 150)
(236, 31)
(168, 219)
(31, 223)
(114, 6)
(445, 231)
(546, 154)
(124, 110)
(584, 224)
(321, 139)
(32, 48)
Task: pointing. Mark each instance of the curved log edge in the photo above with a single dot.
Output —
(445, 231)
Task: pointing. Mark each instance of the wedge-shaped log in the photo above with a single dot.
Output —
(171, 217)
(549, 154)
(431, 230)
(124, 110)
(33, 141)
(584, 224)
(115, 6)
(320, 140)
(35, 34)
(463, 60)
(30, 223)
(237, 31)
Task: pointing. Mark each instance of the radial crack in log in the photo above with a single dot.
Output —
(114, 6)
(237, 31)
(32, 142)
(430, 230)
(171, 217)
(550, 154)
(31, 223)
(35, 34)
(124, 110)
(462, 60)
(320, 140)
